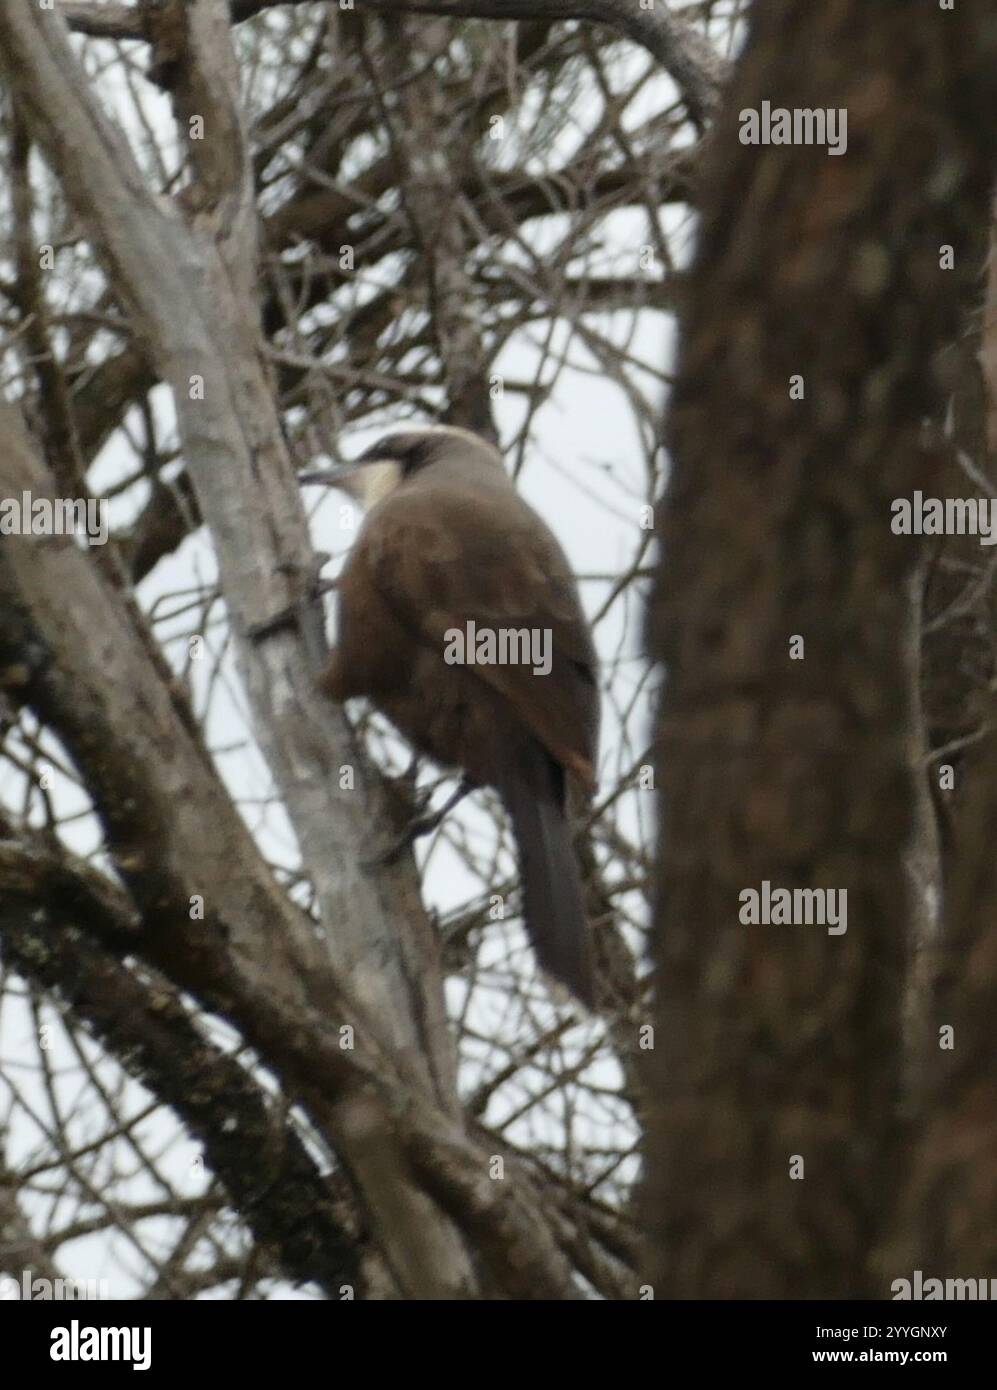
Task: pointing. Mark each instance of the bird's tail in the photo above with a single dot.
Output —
(533, 793)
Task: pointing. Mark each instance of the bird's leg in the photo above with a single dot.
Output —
(288, 617)
(424, 825)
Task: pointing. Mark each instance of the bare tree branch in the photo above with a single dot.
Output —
(682, 52)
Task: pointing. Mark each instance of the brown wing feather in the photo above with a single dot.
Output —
(480, 554)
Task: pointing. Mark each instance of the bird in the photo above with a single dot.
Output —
(449, 556)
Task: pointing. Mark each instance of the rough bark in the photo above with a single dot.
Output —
(775, 1041)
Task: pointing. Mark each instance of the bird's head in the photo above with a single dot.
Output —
(399, 457)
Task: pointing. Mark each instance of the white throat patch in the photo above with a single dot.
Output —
(374, 481)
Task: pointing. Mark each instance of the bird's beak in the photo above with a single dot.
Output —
(331, 477)
(366, 479)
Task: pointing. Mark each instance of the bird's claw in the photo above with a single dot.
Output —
(422, 825)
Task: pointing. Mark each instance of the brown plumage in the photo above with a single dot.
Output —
(447, 542)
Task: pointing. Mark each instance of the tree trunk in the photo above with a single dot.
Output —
(779, 1043)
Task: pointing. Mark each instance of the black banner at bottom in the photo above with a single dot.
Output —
(170, 1339)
